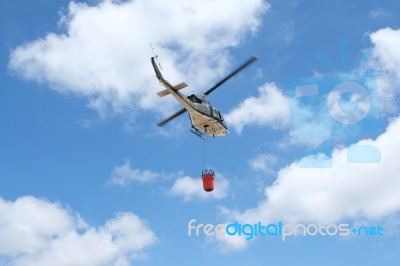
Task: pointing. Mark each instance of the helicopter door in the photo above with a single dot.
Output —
(210, 111)
(215, 113)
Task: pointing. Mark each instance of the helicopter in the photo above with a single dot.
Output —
(205, 118)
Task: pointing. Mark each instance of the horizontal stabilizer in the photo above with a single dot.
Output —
(176, 87)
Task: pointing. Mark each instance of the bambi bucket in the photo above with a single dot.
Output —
(208, 182)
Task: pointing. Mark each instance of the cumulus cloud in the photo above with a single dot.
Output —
(124, 175)
(103, 53)
(345, 191)
(192, 188)
(38, 232)
(269, 108)
(308, 124)
(263, 162)
(386, 60)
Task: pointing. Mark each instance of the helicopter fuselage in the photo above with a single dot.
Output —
(203, 116)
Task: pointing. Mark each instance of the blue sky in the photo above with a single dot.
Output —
(86, 178)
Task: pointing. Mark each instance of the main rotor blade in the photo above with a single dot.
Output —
(171, 117)
(237, 70)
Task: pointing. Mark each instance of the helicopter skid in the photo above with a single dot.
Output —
(198, 133)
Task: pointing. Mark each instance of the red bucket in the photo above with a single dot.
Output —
(208, 180)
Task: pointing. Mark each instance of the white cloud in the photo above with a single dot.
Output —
(192, 188)
(309, 124)
(379, 13)
(386, 60)
(227, 244)
(269, 108)
(263, 162)
(124, 175)
(184, 186)
(355, 191)
(104, 53)
(347, 190)
(37, 232)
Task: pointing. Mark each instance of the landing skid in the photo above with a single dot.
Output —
(198, 133)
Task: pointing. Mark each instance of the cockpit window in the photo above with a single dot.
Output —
(195, 99)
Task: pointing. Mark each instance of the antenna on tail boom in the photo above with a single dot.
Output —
(156, 57)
